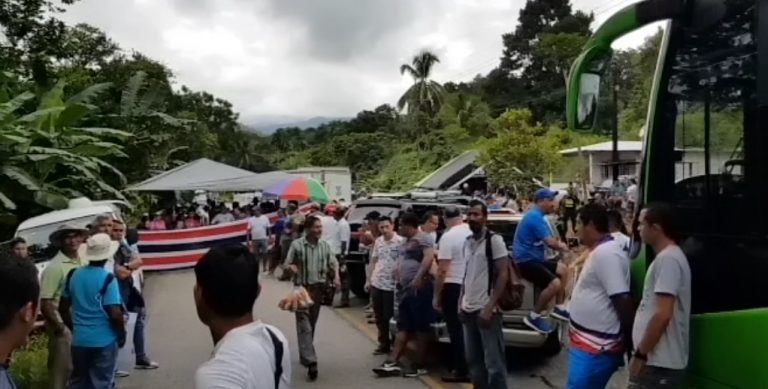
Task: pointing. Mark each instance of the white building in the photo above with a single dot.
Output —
(600, 155)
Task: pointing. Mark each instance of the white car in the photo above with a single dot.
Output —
(80, 213)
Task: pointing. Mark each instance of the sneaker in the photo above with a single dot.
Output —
(415, 372)
(369, 308)
(147, 365)
(539, 324)
(388, 369)
(121, 374)
(381, 351)
(561, 314)
(312, 372)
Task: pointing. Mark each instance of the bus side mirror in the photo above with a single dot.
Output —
(584, 87)
(589, 93)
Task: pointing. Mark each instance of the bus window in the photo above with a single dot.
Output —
(711, 104)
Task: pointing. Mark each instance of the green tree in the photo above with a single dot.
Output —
(520, 153)
(558, 51)
(425, 95)
(47, 157)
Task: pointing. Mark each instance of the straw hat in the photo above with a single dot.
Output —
(65, 229)
(98, 248)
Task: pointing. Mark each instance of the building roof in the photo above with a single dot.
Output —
(624, 145)
(451, 172)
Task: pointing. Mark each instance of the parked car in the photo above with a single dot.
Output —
(358, 256)
(516, 334)
(80, 213)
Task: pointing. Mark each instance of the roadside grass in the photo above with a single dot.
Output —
(29, 365)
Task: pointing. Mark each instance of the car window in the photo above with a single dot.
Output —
(358, 212)
(505, 228)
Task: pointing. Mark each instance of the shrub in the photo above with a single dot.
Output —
(29, 365)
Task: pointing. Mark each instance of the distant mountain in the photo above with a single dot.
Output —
(268, 125)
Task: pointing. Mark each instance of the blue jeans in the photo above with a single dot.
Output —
(138, 335)
(485, 352)
(591, 371)
(93, 367)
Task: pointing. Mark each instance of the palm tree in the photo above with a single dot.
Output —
(424, 95)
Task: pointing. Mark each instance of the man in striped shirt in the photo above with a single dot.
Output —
(601, 311)
(312, 263)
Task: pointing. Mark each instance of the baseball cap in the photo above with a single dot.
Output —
(544, 193)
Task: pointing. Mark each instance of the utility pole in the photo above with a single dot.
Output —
(615, 129)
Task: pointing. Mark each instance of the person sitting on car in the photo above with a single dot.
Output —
(531, 237)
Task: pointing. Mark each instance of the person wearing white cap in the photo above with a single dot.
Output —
(96, 316)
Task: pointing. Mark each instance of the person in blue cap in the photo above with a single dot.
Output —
(533, 233)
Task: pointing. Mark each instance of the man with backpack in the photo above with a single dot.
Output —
(248, 353)
(484, 287)
(96, 317)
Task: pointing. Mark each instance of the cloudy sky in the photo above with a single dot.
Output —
(281, 59)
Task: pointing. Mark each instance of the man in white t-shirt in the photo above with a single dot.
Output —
(450, 277)
(224, 216)
(248, 354)
(258, 226)
(662, 324)
(601, 308)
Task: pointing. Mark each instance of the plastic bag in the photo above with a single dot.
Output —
(297, 298)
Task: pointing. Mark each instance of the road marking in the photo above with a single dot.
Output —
(373, 335)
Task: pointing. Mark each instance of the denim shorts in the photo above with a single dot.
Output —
(415, 312)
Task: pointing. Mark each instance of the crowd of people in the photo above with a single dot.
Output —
(605, 325)
(85, 294)
(461, 276)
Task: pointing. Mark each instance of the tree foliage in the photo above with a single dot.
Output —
(519, 153)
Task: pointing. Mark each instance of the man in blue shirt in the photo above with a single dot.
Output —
(96, 316)
(533, 233)
(19, 296)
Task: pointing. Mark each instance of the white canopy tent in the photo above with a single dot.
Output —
(211, 176)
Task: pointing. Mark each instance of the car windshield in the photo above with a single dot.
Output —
(505, 228)
(39, 235)
(359, 212)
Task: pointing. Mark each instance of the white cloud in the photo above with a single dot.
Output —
(306, 58)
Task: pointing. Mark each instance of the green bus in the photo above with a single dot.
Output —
(705, 151)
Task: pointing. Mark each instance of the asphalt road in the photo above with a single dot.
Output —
(180, 343)
(344, 341)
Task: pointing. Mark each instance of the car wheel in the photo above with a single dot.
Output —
(554, 342)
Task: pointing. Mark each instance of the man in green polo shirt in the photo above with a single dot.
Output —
(68, 239)
(312, 262)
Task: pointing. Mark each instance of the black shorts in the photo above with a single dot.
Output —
(540, 273)
(415, 312)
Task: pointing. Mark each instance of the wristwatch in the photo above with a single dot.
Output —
(640, 356)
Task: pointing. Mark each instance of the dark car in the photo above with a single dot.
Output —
(358, 256)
